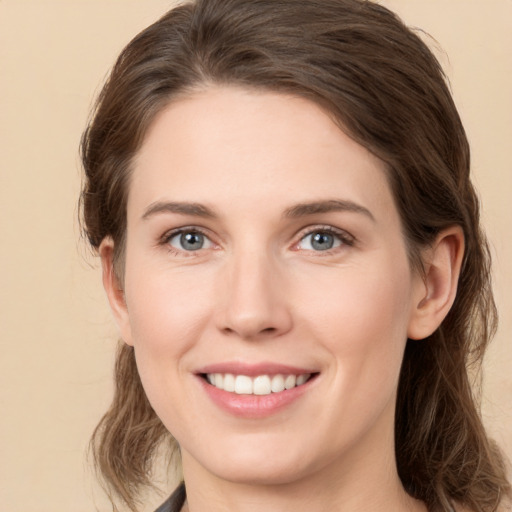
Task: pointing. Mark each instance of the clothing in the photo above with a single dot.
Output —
(175, 501)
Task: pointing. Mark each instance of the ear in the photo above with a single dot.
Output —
(114, 289)
(434, 296)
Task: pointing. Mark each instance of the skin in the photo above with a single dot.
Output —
(258, 291)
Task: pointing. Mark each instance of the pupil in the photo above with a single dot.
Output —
(191, 241)
(322, 241)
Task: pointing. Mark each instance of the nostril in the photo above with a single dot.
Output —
(251, 333)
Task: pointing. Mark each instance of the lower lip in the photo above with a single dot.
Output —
(254, 406)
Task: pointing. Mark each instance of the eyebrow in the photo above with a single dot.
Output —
(194, 209)
(332, 205)
(296, 211)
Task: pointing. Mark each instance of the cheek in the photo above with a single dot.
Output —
(167, 316)
(167, 309)
(362, 322)
(361, 302)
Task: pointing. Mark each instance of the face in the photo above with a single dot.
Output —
(267, 288)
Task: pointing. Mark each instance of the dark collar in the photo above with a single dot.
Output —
(175, 501)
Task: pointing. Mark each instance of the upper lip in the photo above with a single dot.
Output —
(254, 369)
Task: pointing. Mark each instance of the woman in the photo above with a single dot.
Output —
(279, 192)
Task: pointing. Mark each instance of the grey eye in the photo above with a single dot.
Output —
(189, 241)
(319, 241)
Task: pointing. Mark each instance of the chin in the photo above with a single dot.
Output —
(241, 472)
(262, 463)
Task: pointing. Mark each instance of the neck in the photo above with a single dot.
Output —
(364, 480)
(302, 498)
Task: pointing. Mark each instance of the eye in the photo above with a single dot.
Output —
(323, 240)
(190, 240)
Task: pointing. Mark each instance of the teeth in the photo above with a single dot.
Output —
(290, 382)
(301, 379)
(219, 380)
(277, 384)
(243, 385)
(260, 385)
(229, 382)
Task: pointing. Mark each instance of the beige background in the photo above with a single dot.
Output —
(56, 334)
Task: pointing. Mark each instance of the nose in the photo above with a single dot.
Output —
(253, 303)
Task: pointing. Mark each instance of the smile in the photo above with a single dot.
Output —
(257, 385)
(256, 390)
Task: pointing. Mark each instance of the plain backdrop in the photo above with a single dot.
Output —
(56, 333)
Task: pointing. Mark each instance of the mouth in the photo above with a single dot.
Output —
(260, 385)
(256, 390)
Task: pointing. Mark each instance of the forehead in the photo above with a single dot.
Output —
(228, 144)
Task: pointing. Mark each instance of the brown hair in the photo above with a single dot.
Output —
(384, 87)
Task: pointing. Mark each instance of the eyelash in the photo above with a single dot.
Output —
(345, 238)
(168, 236)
